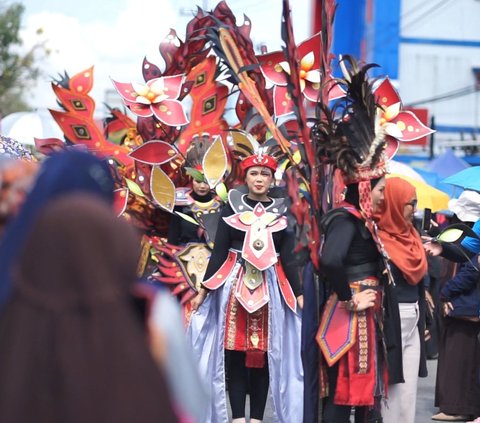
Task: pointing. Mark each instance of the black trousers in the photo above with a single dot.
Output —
(242, 380)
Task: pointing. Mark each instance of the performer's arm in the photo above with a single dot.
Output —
(289, 264)
(222, 244)
(174, 229)
(340, 233)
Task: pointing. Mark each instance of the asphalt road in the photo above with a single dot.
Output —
(425, 398)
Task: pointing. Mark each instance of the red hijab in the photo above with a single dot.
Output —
(402, 242)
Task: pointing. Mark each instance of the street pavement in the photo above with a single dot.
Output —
(426, 395)
(425, 398)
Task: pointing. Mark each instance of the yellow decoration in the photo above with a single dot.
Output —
(162, 189)
(244, 142)
(221, 191)
(215, 162)
(134, 188)
(450, 235)
(247, 218)
(187, 217)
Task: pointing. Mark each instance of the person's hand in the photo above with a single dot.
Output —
(447, 308)
(428, 335)
(362, 300)
(429, 300)
(300, 301)
(198, 300)
(432, 248)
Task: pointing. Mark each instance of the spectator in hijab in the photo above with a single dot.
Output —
(65, 172)
(405, 306)
(73, 349)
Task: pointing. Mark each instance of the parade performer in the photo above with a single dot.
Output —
(199, 202)
(193, 225)
(351, 259)
(248, 323)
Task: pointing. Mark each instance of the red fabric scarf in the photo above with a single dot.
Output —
(400, 239)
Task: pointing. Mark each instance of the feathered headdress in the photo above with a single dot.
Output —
(350, 135)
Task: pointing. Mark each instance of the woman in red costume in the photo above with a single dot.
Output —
(351, 260)
(247, 322)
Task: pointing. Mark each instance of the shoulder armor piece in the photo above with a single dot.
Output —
(237, 201)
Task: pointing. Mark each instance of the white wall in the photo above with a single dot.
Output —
(427, 70)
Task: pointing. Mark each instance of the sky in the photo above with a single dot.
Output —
(115, 35)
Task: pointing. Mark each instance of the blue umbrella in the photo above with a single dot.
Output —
(467, 179)
(435, 180)
(447, 164)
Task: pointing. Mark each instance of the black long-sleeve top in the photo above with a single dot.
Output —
(405, 292)
(181, 231)
(228, 237)
(456, 253)
(349, 253)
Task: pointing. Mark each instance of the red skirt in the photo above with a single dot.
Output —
(246, 331)
(361, 369)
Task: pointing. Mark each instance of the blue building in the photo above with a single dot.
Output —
(430, 49)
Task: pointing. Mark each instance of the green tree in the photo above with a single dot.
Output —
(18, 70)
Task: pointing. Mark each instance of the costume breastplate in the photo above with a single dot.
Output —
(258, 223)
(207, 214)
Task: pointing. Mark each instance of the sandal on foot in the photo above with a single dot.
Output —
(449, 417)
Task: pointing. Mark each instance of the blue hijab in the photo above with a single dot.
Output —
(62, 173)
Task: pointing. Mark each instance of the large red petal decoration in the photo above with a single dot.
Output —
(154, 152)
(125, 89)
(411, 126)
(168, 48)
(282, 102)
(170, 112)
(311, 91)
(246, 28)
(386, 94)
(48, 145)
(81, 130)
(391, 147)
(150, 70)
(173, 85)
(309, 45)
(143, 110)
(336, 91)
(82, 82)
(269, 65)
(75, 102)
(120, 200)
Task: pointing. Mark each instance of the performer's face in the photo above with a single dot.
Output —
(258, 180)
(378, 196)
(200, 188)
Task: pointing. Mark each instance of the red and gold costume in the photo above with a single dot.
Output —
(251, 238)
